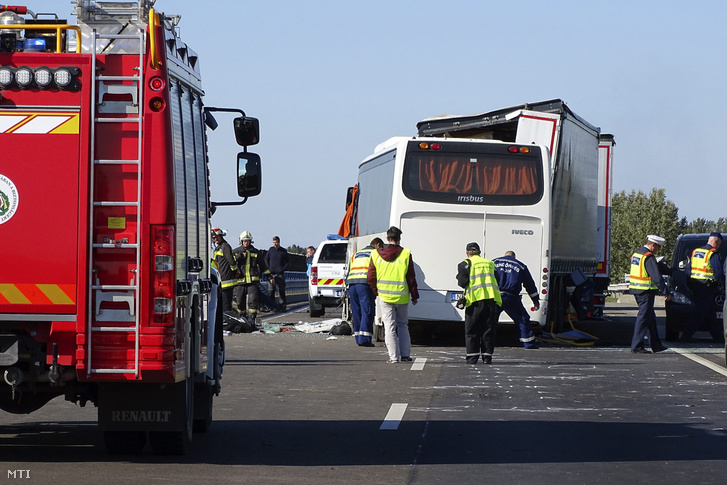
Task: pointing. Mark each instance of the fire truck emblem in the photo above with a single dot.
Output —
(8, 199)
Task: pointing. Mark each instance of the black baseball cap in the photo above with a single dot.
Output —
(473, 246)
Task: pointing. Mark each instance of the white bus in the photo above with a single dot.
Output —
(443, 194)
(523, 179)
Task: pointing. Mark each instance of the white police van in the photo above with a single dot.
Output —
(327, 280)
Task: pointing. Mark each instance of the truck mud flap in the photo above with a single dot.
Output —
(141, 407)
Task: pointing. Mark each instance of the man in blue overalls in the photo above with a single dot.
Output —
(511, 276)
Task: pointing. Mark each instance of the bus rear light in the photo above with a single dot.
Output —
(518, 150)
(436, 146)
(424, 145)
(314, 275)
(163, 275)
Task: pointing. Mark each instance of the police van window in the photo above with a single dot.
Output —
(333, 253)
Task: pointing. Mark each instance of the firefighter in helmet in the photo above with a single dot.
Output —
(227, 266)
(252, 268)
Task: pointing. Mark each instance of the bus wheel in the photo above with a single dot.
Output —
(177, 442)
(124, 442)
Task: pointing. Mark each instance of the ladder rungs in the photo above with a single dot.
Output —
(117, 120)
(118, 36)
(117, 78)
(112, 371)
(117, 162)
(113, 329)
(114, 287)
(115, 246)
(108, 203)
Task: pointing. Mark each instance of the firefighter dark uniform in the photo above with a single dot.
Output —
(644, 282)
(512, 275)
(252, 268)
(482, 296)
(227, 266)
(361, 297)
(706, 280)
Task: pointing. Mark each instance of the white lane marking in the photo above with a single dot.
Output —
(419, 363)
(701, 360)
(393, 417)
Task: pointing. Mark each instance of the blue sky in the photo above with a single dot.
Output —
(329, 80)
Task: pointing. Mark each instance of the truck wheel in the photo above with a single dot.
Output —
(315, 307)
(124, 442)
(177, 442)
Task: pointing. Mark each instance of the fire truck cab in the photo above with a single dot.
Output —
(106, 291)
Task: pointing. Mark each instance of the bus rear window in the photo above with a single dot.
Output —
(474, 178)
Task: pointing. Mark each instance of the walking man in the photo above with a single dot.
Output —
(277, 260)
(706, 279)
(482, 297)
(644, 282)
(512, 274)
(391, 277)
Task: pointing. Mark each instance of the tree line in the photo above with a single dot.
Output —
(635, 215)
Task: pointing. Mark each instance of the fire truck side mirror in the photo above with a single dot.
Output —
(249, 174)
(247, 131)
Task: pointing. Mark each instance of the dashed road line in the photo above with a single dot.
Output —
(419, 363)
(393, 417)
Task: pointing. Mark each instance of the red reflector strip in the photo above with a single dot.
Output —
(40, 294)
(330, 282)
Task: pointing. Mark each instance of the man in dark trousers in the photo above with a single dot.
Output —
(360, 295)
(706, 280)
(482, 297)
(512, 274)
(278, 261)
(252, 269)
(644, 282)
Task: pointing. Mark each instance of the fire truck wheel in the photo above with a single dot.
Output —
(124, 442)
(177, 442)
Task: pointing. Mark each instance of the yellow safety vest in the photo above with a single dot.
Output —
(483, 284)
(391, 277)
(359, 268)
(639, 279)
(701, 267)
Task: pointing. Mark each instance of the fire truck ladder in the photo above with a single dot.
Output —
(128, 113)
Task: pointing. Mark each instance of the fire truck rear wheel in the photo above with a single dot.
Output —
(124, 442)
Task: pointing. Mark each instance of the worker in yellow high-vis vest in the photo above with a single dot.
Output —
(644, 283)
(360, 296)
(706, 280)
(391, 277)
(482, 298)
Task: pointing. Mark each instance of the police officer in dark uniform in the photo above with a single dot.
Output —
(706, 280)
(644, 282)
(512, 274)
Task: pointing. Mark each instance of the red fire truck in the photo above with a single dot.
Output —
(106, 291)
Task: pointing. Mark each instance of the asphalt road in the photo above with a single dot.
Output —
(310, 409)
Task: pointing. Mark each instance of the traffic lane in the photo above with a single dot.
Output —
(590, 415)
(294, 408)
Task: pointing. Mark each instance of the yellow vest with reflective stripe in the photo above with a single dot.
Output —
(639, 279)
(701, 267)
(359, 269)
(483, 284)
(391, 277)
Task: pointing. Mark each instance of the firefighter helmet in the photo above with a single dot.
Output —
(246, 236)
(216, 231)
